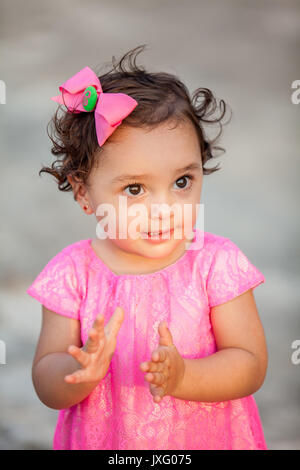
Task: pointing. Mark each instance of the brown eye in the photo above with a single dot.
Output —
(134, 189)
(181, 182)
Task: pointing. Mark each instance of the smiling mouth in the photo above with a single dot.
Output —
(158, 234)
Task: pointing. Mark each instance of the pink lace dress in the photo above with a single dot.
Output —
(119, 414)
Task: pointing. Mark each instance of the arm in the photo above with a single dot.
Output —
(239, 366)
(50, 386)
(52, 362)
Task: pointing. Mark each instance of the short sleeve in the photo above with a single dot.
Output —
(231, 274)
(56, 287)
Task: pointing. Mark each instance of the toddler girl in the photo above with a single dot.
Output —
(150, 335)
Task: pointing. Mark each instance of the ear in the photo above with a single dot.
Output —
(80, 195)
(75, 186)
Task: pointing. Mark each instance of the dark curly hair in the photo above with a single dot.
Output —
(161, 97)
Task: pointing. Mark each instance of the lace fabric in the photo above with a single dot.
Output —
(119, 414)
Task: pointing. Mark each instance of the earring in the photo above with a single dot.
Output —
(86, 207)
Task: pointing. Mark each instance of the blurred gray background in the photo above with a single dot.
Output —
(246, 52)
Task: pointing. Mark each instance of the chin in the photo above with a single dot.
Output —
(157, 250)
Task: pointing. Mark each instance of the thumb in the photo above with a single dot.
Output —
(165, 337)
(115, 321)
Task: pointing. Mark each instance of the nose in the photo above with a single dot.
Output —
(160, 209)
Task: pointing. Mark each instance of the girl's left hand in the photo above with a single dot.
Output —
(166, 368)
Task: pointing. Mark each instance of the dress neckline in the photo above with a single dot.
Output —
(98, 262)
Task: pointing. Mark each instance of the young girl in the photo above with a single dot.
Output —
(147, 341)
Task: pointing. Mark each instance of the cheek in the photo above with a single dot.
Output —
(133, 219)
(190, 216)
(130, 226)
(186, 217)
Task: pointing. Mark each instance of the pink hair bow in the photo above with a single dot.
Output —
(83, 93)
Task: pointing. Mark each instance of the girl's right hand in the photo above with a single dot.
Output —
(96, 354)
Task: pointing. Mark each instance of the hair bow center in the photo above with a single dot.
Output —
(89, 98)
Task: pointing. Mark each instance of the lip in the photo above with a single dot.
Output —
(158, 238)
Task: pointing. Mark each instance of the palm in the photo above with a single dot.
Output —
(95, 356)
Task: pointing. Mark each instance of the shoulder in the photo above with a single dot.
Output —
(222, 250)
(78, 251)
(79, 255)
(61, 284)
(70, 264)
(217, 253)
(208, 245)
(213, 242)
(228, 271)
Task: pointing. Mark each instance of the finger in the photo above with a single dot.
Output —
(157, 398)
(144, 366)
(77, 377)
(165, 337)
(159, 355)
(101, 331)
(159, 378)
(156, 378)
(115, 322)
(98, 326)
(81, 356)
(154, 367)
(93, 342)
(158, 395)
(157, 392)
(99, 322)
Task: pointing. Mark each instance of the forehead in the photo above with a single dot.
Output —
(141, 150)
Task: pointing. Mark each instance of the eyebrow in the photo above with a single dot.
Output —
(124, 178)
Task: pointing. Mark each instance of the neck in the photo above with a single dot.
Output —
(122, 262)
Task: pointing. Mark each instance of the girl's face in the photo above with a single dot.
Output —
(161, 166)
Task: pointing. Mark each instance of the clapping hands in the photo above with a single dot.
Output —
(164, 371)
